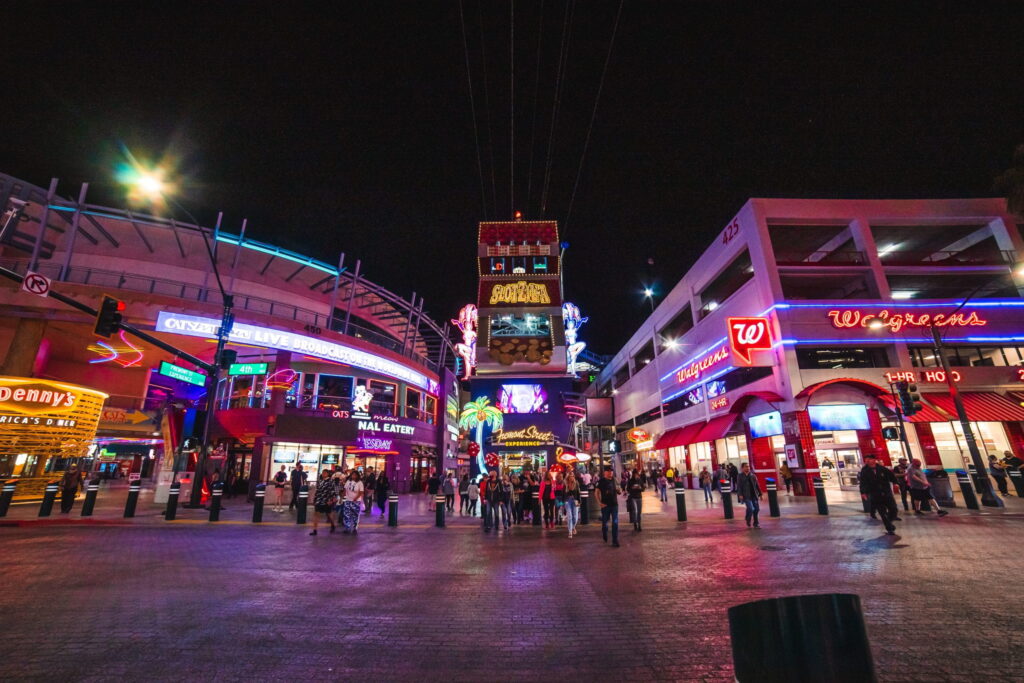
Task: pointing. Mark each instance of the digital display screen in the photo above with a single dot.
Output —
(522, 398)
(838, 417)
(600, 412)
(768, 424)
(716, 388)
(284, 457)
(309, 458)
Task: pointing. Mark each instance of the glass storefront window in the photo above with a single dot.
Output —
(412, 403)
(430, 411)
(385, 395)
(312, 456)
(949, 439)
(334, 392)
(241, 392)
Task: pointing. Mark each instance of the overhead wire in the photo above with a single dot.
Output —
(472, 106)
(512, 108)
(563, 59)
(593, 116)
(533, 122)
(487, 109)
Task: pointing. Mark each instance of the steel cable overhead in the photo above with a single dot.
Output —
(487, 110)
(536, 98)
(559, 81)
(512, 108)
(472, 106)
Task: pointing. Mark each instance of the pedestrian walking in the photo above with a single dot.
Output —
(517, 499)
(280, 479)
(504, 503)
(463, 494)
(492, 500)
(298, 478)
(473, 493)
(448, 487)
(547, 500)
(635, 498)
(571, 496)
(370, 489)
(900, 472)
(921, 490)
(876, 483)
(69, 485)
(998, 472)
(787, 476)
(608, 492)
(706, 484)
(733, 474)
(749, 493)
(324, 499)
(352, 503)
(663, 488)
(383, 485)
(433, 487)
(670, 475)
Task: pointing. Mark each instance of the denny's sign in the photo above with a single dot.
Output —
(35, 396)
(50, 419)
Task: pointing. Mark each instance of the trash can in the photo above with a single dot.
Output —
(942, 490)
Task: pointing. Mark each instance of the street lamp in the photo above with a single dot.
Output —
(649, 294)
(150, 185)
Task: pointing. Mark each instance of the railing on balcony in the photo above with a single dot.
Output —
(898, 257)
(821, 258)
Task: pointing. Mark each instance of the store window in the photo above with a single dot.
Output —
(693, 397)
(833, 358)
(700, 456)
(385, 395)
(680, 325)
(644, 357)
(412, 403)
(334, 392)
(307, 398)
(649, 416)
(968, 356)
(621, 377)
(312, 457)
(732, 449)
(241, 391)
(952, 446)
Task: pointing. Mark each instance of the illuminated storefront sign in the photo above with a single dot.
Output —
(897, 321)
(636, 435)
(375, 443)
(389, 427)
(206, 328)
(645, 445)
(936, 376)
(182, 374)
(718, 403)
(747, 335)
(698, 367)
(530, 436)
(522, 292)
(36, 397)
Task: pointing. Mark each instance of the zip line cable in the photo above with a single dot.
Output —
(563, 59)
(533, 123)
(487, 110)
(512, 108)
(472, 106)
(593, 115)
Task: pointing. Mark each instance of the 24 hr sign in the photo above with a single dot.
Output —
(747, 335)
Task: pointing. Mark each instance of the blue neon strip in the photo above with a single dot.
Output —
(981, 303)
(923, 340)
(696, 358)
(700, 382)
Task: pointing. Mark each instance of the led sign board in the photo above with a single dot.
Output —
(698, 367)
(530, 436)
(182, 374)
(522, 293)
(247, 369)
(270, 338)
(48, 419)
(747, 335)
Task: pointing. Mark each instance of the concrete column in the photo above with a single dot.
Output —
(797, 430)
(26, 346)
(277, 396)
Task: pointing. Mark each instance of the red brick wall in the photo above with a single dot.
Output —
(871, 440)
(928, 447)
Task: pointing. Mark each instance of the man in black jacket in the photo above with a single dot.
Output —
(876, 484)
(298, 479)
(749, 493)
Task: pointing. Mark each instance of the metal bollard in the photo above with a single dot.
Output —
(439, 511)
(773, 497)
(6, 495)
(300, 511)
(970, 500)
(215, 496)
(92, 489)
(133, 498)
(1016, 478)
(48, 497)
(680, 504)
(819, 493)
(172, 500)
(584, 506)
(725, 488)
(257, 503)
(393, 509)
(536, 508)
(976, 478)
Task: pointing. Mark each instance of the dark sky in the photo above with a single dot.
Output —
(347, 126)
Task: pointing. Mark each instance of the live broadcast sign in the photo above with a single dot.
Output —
(48, 419)
(247, 369)
(182, 374)
(270, 338)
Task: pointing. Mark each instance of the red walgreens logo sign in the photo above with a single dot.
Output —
(747, 335)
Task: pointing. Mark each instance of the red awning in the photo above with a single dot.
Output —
(981, 406)
(716, 428)
(868, 387)
(681, 436)
(740, 404)
(928, 414)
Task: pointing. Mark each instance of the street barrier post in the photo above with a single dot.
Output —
(393, 509)
(773, 497)
(172, 501)
(680, 504)
(133, 498)
(259, 497)
(725, 487)
(439, 511)
(49, 495)
(300, 511)
(1018, 482)
(92, 489)
(584, 506)
(6, 495)
(819, 493)
(970, 500)
(215, 496)
(536, 508)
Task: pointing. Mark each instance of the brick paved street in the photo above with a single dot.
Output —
(148, 599)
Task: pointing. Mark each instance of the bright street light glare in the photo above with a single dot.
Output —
(648, 292)
(150, 185)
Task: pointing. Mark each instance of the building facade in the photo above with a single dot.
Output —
(781, 343)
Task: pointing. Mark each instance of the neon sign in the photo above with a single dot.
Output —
(530, 434)
(375, 443)
(636, 435)
(749, 334)
(939, 376)
(573, 323)
(897, 321)
(521, 292)
(717, 403)
(702, 365)
(467, 322)
(936, 376)
(270, 338)
(36, 397)
(118, 354)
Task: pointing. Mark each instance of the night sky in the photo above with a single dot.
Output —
(347, 126)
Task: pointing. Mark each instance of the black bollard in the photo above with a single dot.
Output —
(172, 500)
(257, 503)
(819, 493)
(133, 497)
(300, 511)
(48, 497)
(584, 506)
(1015, 476)
(439, 511)
(393, 509)
(92, 489)
(680, 504)
(536, 508)
(215, 496)
(773, 497)
(976, 478)
(970, 500)
(801, 638)
(6, 494)
(725, 488)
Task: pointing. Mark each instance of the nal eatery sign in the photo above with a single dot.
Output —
(521, 292)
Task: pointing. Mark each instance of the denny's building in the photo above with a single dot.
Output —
(44, 427)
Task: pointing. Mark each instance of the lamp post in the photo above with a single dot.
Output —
(649, 295)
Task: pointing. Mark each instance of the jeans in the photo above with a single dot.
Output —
(463, 502)
(610, 512)
(635, 507)
(506, 515)
(664, 493)
(472, 507)
(753, 508)
(572, 513)
(449, 502)
(707, 493)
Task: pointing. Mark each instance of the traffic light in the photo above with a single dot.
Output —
(227, 358)
(109, 317)
(915, 399)
(910, 398)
